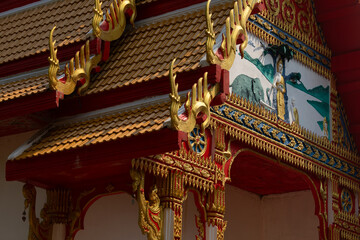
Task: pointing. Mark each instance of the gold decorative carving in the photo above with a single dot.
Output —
(305, 141)
(235, 28)
(84, 63)
(215, 209)
(76, 213)
(200, 103)
(288, 13)
(38, 230)
(58, 205)
(150, 212)
(299, 56)
(115, 19)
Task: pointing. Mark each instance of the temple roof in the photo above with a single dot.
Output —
(87, 131)
(142, 54)
(27, 33)
(145, 53)
(24, 87)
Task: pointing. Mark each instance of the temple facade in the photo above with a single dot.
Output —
(169, 120)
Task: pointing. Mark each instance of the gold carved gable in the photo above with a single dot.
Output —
(297, 17)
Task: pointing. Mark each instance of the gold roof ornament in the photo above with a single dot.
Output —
(81, 70)
(115, 21)
(200, 99)
(114, 24)
(235, 28)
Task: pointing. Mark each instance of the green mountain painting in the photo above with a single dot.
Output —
(318, 92)
(267, 70)
(323, 109)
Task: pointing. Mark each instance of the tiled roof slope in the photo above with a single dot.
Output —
(142, 2)
(142, 54)
(145, 53)
(100, 129)
(27, 33)
(23, 88)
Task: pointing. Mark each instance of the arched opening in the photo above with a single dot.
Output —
(110, 218)
(269, 200)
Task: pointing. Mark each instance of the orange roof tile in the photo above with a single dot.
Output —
(144, 53)
(27, 33)
(99, 129)
(23, 88)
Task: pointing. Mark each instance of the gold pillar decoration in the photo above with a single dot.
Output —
(58, 205)
(81, 70)
(115, 19)
(215, 210)
(235, 27)
(150, 212)
(200, 100)
(172, 197)
(38, 230)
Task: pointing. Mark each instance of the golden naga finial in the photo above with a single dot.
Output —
(200, 104)
(54, 62)
(115, 19)
(235, 27)
(81, 70)
(150, 212)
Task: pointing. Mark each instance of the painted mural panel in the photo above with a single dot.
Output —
(269, 76)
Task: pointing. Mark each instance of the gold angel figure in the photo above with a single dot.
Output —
(235, 28)
(150, 212)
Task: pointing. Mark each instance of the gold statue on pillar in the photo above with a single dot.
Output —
(279, 84)
(150, 213)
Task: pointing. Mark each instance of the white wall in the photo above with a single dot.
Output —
(189, 212)
(112, 218)
(11, 198)
(243, 214)
(289, 216)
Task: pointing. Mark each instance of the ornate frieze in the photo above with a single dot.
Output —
(270, 33)
(285, 141)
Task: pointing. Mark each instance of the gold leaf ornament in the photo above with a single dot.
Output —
(235, 27)
(74, 72)
(196, 104)
(115, 19)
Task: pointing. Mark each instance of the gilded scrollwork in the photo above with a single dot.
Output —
(235, 29)
(115, 22)
(197, 104)
(84, 63)
(289, 13)
(273, 6)
(150, 212)
(38, 230)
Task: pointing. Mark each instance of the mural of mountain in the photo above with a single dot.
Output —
(318, 92)
(267, 70)
(323, 109)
